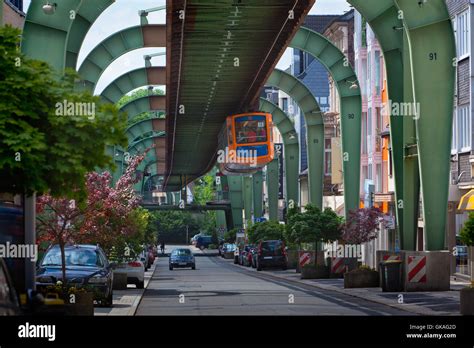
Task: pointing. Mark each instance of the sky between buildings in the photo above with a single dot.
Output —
(124, 13)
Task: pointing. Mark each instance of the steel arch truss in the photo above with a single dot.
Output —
(420, 70)
(344, 76)
(315, 129)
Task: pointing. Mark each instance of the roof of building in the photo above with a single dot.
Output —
(346, 17)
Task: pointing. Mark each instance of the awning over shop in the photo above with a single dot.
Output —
(467, 201)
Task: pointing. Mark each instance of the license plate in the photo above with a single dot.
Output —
(182, 263)
(268, 258)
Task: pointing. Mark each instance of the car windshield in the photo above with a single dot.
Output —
(181, 252)
(271, 246)
(74, 257)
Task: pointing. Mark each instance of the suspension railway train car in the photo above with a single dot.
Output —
(245, 143)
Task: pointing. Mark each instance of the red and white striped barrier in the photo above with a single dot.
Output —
(391, 257)
(417, 269)
(337, 265)
(305, 258)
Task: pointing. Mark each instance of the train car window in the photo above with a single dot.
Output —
(250, 129)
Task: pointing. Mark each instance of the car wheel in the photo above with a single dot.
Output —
(194, 266)
(140, 285)
(285, 267)
(201, 247)
(171, 268)
(236, 260)
(110, 300)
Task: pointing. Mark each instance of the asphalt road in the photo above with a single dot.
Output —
(217, 287)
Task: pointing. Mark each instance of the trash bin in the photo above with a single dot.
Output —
(391, 276)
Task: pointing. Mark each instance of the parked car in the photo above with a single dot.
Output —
(9, 304)
(243, 253)
(247, 259)
(86, 265)
(461, 255)
(271, 253)
(228, 250)
(181, 258)
(135, 271)
(194, 238)
(203, 242)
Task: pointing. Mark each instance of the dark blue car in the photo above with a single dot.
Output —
(86, 266)
(181, 258)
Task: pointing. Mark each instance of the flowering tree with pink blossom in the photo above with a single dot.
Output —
(103, 219)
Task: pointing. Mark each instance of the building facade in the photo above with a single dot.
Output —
(11, 12)
(462, 155)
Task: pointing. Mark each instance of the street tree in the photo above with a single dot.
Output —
(50, 134)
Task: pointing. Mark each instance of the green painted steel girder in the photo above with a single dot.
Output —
(128, 82)
(142, 104)
(272, 185)
(383, 17)
(257, 191)
(350, 105)
(248, 198)
(291, 148)
(57, 38)
(434, 76)
(315, 129)
(139, 128)
(111, 48)
(234, 182)
(425, 77)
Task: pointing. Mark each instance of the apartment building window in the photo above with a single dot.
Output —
(464, 128)
(364, 133)
(462, 34)
(284, 104)
(377, 73)
(454, 141)
(369, 172)
(379, 178)
(365, 172)
(378, 123)
(369, 130)
(369, 75)
(327, 157)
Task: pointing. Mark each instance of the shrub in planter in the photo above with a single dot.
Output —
(363, 277)
(314, 272)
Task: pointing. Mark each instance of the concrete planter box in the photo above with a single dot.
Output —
(292, 262)
(315, 272)
(120, 281)
(467, 301)
(361, 279)
(348, 264)
(83, 306)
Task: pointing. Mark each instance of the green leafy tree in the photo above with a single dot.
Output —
(204, 191)
(467, 232)
(172, 226)
(42, 146)
(140, 93)
(231, 235)
(267, 230)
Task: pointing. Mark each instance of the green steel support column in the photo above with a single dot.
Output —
(432, 61)
(272, 189)
(383, 17)
(248, 199)
(169, 198)
(236, 199)
(315, 129)
(291, 148)
(351, 108)
(257, 183)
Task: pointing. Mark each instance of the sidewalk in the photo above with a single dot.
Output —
(423, 303)
(126, 301)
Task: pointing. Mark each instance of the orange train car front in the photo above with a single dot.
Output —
(246, 143)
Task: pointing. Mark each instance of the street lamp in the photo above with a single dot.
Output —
(49, 8)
